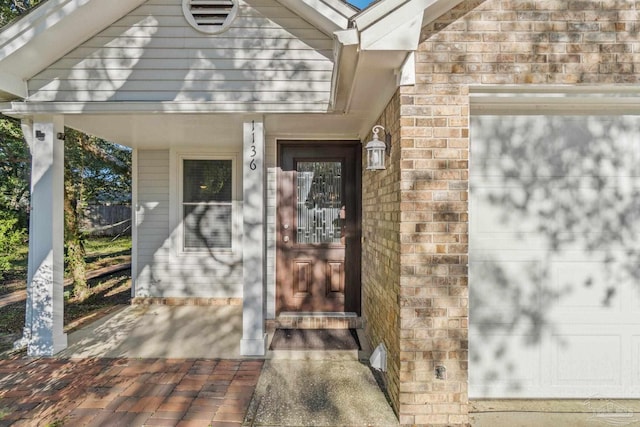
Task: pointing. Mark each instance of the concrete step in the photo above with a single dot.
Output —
(353, 355)
(362, 354)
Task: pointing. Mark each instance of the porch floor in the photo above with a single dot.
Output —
(159, 331)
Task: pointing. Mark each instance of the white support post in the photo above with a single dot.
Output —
(44, 334)
(254, 338)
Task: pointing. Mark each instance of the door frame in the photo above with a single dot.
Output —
(353, 251)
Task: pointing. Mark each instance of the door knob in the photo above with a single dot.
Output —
(286, 239)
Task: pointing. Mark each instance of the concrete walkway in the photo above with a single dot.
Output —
(331, 393)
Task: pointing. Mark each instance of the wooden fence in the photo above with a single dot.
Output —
(107, 220)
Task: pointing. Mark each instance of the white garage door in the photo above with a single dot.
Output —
(555, 256)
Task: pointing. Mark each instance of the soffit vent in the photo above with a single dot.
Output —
(210, 16)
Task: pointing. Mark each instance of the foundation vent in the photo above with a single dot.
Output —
(210, 16)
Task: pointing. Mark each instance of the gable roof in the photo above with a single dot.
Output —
(371, 56)
(26, 46)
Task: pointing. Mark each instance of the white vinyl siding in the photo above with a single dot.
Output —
(269, 57)
(163, 269)
(152, 221)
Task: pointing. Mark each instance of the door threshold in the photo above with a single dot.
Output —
(324, 314)
(315, 320)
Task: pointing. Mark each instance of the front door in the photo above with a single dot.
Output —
(318, 227)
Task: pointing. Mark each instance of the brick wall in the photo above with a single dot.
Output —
(478, 43)
(381, 251)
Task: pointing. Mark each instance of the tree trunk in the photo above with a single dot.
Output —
(75, 246)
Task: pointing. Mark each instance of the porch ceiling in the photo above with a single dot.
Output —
(157, 131)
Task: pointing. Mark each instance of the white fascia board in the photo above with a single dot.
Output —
(21, 109)
(393, 34)
(326, 15)
(12, 85)
(26, 46)
(396, 24)
(406, 74)
(375, 12)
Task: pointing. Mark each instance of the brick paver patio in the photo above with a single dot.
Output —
(126, 392)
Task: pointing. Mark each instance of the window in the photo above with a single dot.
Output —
(207, 204)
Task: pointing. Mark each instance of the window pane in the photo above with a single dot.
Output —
(207, 181)
(207, 226)
(320, 205)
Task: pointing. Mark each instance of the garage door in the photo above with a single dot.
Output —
(555, 256)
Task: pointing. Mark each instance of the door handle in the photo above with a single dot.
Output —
(285, 239)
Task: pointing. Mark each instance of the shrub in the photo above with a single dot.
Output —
(11, 236)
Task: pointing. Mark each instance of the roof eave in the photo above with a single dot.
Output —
(396, 24)
(326, 15)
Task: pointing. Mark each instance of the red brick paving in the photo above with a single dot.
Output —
(126, 392)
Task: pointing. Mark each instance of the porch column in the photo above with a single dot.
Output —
(43, 333)
(254, 338)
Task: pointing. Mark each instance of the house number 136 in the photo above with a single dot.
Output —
(252, 163)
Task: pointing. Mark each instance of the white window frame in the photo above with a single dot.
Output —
(235, 224)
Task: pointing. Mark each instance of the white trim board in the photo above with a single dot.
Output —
(543, 100)
(18, 108)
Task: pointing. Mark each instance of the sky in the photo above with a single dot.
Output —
(360, 3)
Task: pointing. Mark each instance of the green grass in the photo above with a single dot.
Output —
(106, 251)
(101, 252)
(107, 245)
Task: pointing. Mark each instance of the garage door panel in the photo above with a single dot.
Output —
(634, 300)
(569, 215)
(500, 220)
(576, 363)
(586, 286)
(504, 363)
(517, 147)
(634, 362)
(507, 291)
(555, 256)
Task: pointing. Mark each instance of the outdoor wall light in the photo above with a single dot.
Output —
(376, 149)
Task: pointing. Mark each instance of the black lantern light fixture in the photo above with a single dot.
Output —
(376, 149)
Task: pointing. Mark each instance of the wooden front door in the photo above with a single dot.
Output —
(318, 227)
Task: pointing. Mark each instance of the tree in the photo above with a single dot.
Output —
(11, 9)
(95, 171)
(14, 191)
(14, 153)
(14, 171)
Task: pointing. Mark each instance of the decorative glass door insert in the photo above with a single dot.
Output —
(320, 205)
